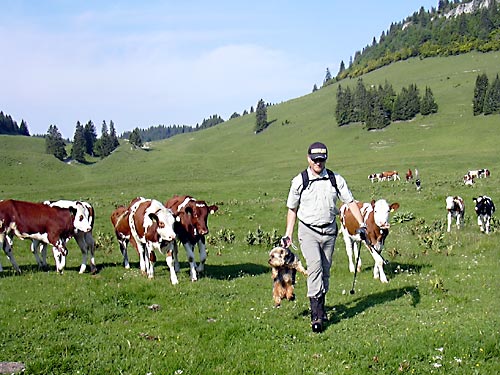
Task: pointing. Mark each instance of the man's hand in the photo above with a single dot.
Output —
(285, 242)
(362, 232)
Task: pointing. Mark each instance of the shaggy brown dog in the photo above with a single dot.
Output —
(285, 265)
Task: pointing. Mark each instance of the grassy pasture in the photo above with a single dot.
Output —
(438, 314)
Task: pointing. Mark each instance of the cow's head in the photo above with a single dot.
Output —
(83, 217)
(194, 216)
(483, 205)
(164, 220)
(454, 203)
(381, 212)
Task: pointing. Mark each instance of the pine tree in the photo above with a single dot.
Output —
(328, 77)
(344, 105)
(492, 98)
(427, 104)
(54, 143)
(23, 128)
(112, 134)
(135, 138)
(78, 149)
(260, 116)
(90, 137)
(479, 94)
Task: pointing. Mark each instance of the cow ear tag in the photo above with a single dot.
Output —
(178, 219)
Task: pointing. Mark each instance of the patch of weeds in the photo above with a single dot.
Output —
(401, 217)
(261, 237)
(431, 237)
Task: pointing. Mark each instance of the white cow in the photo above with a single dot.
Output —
(85, 214)
(456, 210)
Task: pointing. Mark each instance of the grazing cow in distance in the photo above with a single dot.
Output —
(38, 221)
(456, 210)
(374, 177)
(191, 227)
(376, 218)
(409, 175)
(484, 208)
(85, 240)
(483, 173)
(469, 179)
(150, 227)
(390, 175)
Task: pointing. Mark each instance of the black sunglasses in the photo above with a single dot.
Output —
(318, 160)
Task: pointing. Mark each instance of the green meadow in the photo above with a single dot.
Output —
(439, 313)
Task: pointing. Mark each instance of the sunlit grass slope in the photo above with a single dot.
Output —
(438, 314)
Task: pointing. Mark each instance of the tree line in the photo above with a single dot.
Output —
(377, 106)
(428, 34)
(9, 126)
(85, 142)
(486, 99)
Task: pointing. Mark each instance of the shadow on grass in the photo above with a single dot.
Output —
(358, 305)
(394, 269)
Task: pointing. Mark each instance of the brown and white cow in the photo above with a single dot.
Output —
(85, 240)
(37, 221)
(150, 227)
(390, 175)
(409, 175)
(191, 227)
(376, 218)
(456, 210)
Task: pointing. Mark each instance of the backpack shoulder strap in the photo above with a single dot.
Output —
(305, 180)
(333, 180)
(331, 176)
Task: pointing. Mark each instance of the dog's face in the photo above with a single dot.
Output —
(277, 257)
(281, 257)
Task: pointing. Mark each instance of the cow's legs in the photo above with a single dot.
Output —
(6, 244)
(378, 268)
(175, 255)
(149, 260)
(39, 247)
(480, 222)
(203, 255)
(86, 243)
(170, 264)
(192, 264)
(123, 248)
(352, 249)
(449, 222)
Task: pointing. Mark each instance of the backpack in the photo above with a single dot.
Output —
(306, 182)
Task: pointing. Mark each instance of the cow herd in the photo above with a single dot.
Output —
(152, 226)
(147, 224)
(471, 175)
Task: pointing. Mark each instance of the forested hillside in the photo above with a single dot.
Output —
(453, 28)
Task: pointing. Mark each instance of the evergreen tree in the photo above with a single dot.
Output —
(23, 129)
(361, 103)
(135, 138)
(328, 77)
(112, 135)
(54, 143)
(342, 67)
(343, 111)
(78, 149)
(479, 94)
(427, 104)
(260, 116)
(376, 116)
(492, 98)
(90, 135)
(388, 96)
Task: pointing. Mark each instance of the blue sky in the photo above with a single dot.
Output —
(146, 63)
